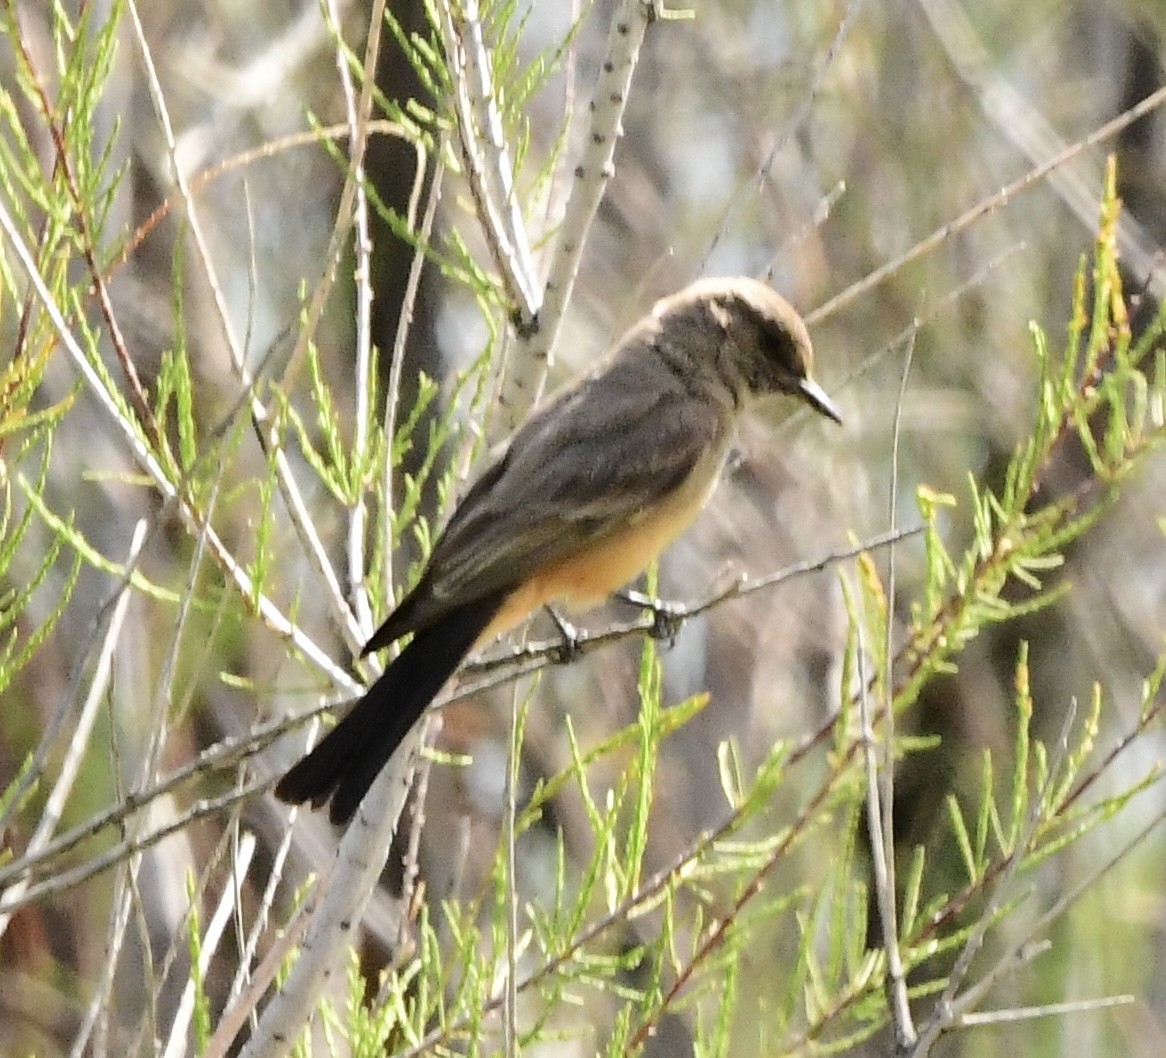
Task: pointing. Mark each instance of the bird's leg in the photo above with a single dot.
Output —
(568, 648)
(667, 617)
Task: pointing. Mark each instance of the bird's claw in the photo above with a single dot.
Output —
(568, 647)
(667, 617)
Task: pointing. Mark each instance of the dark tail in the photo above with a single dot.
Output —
(347, 760)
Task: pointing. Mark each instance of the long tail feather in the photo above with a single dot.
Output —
(344, 764)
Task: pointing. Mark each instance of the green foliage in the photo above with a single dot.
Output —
(782, 882)
(17, 532)
(41, 209)
(711, 909)
(202, 1009)
(1098, 394)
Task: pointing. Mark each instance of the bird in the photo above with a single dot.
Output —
(590, 489)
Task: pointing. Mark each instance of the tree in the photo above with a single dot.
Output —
(691, 848)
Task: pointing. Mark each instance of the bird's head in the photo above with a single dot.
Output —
(768, 345)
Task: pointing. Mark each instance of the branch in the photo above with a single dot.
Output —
(488, 168)
(526, 381)
(985, 206)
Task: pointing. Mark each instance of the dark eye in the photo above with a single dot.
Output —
(777, 345)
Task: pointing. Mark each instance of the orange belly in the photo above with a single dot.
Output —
(587, 576)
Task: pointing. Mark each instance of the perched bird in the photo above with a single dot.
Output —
(588, 491)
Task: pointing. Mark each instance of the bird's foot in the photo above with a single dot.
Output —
(569, 647)
(667, 617)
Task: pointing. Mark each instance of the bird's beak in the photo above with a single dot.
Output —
(815, 396)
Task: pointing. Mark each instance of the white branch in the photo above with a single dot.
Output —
(489, 171)
(526, 381)
(359, 862)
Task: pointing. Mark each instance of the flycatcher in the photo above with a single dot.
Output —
(589, 490)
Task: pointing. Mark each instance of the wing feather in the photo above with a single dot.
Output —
(597, 459)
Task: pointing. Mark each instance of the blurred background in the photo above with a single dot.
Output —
(812, 143)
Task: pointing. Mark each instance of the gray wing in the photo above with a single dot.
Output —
(596, 459)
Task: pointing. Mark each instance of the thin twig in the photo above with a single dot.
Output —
(78, 741)
(128, 848)
(88, 241)
(266, 430)
(352, 207)
(177, 1043)
(947, 1006)
(487, 161)
(666, 618)
(1048, 1010)
(404, 323)
(491, 672)
(757, 183)
(646, 894)
(359, 861)
(985, 206)
(231, 1021)
(527, 379)
(357, 111)
(201, 180)
(509, 837)
(905, 1034)
(96, 1013)
(1021, 122)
